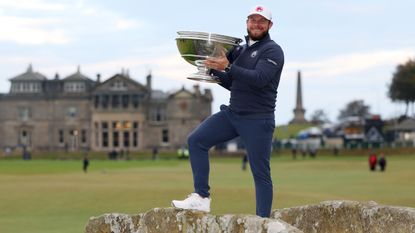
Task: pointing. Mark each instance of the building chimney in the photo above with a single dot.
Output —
(196, 90)
(98, 78)
(149, 77)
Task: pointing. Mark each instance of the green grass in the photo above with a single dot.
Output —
(45, 196)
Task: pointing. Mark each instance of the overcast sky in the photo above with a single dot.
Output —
(346, 50)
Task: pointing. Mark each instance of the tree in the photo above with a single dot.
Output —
(355, 108)
(402, 88)
(319, 117)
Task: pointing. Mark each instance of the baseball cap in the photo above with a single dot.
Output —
(261, 10)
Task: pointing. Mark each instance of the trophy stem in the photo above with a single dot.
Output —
(202, 69)
(203, 73)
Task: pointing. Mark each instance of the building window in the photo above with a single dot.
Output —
(126, 125)
(135, 133)
(104, 127)
(126, 138)
(136, 101)
(74, 87)
(26, 87)
(119, 86)
(83, 136)
(116, 125)
(72, 112)
(115, 139)
(105, 101)
(104, 139)
(24, 113)
(96, 134)
(165, 136)
(61, 136)
(125, 101)
(24, 138)
(157, 114)
(115, 101)
(73, 132)
(96, 101)
(135, 139)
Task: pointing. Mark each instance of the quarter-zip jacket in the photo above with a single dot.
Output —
(253, 78)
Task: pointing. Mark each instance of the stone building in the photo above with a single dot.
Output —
(76, 113)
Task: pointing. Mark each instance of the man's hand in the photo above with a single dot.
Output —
(217, 63)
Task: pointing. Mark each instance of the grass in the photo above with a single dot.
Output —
(56, 196)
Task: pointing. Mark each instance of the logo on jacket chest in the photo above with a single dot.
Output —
(254, 53)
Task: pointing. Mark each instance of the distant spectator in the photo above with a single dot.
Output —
(294, 148)
(85, 163)
(26, 154)
(303, 152)
(382, 162)
(244, 161)
(127, 154)
(122, 154)
(294, 152)
(7, 151)
(155, 153)
(112, 155)
(312, 150)
(336, 150)
(373, 161)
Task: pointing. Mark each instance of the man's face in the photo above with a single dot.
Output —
(257, 27)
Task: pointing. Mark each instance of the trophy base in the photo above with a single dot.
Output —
(203, 78)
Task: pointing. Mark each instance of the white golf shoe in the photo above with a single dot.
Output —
(193, 202)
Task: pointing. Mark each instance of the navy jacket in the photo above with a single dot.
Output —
(253, 78)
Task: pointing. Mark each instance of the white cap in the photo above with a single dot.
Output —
(262, 11)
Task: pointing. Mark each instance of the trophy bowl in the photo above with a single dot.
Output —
(195, 47)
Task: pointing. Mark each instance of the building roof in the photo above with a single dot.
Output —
(29, 75)
(77, 76)
(182, 93)
(406, 125)
(159, 95)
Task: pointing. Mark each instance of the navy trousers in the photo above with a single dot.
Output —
(256, 135)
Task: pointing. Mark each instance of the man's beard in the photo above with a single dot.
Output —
(259, 37)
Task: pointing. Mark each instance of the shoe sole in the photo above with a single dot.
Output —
(180, 208)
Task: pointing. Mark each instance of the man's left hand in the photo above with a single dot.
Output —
(217, 63)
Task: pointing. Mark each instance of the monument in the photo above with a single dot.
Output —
(299, 110)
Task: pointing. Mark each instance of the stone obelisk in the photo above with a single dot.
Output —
(299, 110)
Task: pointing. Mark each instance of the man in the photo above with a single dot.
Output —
(252, 74)
(373, 160)
(382, 162)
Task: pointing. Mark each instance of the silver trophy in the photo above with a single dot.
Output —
(195, 47)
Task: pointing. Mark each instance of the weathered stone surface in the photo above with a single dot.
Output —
(325, 217)
(349, 216)
(162, 220)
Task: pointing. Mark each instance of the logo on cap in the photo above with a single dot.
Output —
(259, 9)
